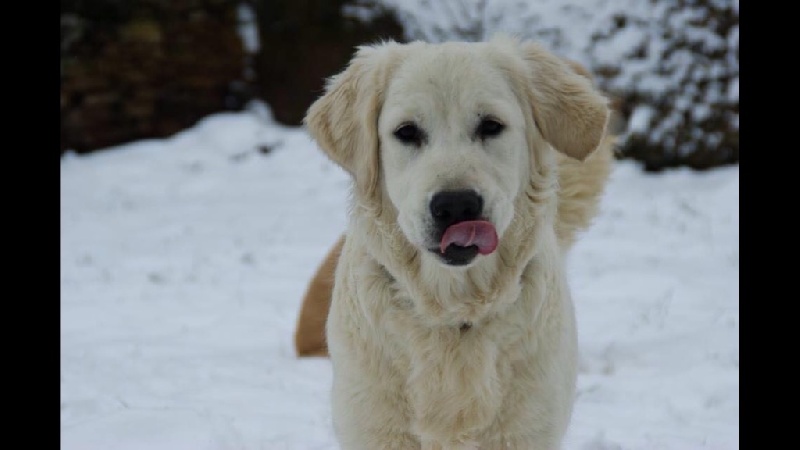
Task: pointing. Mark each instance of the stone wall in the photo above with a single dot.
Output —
(134, 69)
(146, 68)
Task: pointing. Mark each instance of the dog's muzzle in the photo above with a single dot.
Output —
(459, 228)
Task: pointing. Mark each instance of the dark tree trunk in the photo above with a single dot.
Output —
(303, 42)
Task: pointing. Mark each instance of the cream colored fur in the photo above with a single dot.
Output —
(407, 373)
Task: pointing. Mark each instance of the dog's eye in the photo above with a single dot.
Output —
(489, 128)
(409, 133)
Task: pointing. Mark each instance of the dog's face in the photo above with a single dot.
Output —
(452, 134)
(453, 151)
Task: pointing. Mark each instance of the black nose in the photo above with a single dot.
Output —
(449, 207)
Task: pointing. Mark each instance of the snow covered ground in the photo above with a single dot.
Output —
(184, 260)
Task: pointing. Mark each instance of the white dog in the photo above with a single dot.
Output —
(474, 164)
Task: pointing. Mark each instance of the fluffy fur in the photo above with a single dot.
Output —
(428, 355)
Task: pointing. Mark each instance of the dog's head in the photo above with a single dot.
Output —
(451, 134)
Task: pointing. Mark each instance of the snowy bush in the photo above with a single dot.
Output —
(671, 65)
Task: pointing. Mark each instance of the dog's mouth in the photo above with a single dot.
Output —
(461, 242)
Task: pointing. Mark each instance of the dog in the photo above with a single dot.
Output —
(450, 321)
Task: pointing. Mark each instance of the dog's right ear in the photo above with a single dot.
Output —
(570, 113)
(344, 121)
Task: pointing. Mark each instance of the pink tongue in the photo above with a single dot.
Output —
(472, 232)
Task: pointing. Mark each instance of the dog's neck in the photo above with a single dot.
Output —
(458, 297)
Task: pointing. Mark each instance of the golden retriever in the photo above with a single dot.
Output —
(474, 165)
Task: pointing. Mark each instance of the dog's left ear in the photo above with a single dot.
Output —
(569, 112)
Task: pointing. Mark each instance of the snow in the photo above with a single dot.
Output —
(248, 27)
(641, 118)
(184, 261)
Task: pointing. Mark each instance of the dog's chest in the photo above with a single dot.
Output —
(457, 377)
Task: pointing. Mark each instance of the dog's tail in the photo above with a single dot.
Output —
(309, 337)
